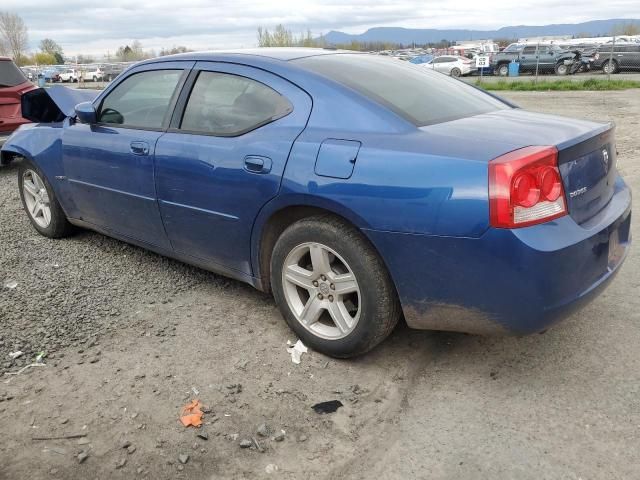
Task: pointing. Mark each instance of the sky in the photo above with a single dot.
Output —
(89, 27)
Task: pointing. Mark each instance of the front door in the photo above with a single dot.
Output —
(223, 158)
(110, 165)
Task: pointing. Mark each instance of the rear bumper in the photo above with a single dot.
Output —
(508, 281)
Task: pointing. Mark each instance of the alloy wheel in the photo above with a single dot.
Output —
(321, 290)
(36, 198)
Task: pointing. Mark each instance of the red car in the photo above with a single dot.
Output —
(13, 84)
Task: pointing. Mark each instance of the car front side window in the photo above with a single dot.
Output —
(141, 100)
(222, 104)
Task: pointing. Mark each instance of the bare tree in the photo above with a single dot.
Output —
(629, 28)
(13, 35)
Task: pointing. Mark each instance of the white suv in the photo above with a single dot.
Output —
(95, 74)
(69, 75)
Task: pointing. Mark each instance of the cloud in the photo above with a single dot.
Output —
(83, 26)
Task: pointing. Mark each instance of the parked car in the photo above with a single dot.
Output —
(93, 73)
(353, 187)
(30, 73)
(544, 58)
(69, 75)
(50, 75)
(111, 71)
(13, 83)
(615, 58)
(451, 65)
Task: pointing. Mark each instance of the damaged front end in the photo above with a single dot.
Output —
(47, 108)
(49, 105)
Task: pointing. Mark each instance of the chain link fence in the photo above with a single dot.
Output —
(606, 58)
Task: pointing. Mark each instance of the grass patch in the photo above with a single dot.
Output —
(559, 85)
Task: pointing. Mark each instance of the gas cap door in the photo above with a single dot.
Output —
(336, 158)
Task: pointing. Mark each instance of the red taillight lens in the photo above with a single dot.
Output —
(525, 188)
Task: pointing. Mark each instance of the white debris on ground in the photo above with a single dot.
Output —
(296, 350)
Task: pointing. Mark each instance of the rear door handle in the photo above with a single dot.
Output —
(139, 148)
(257, 164)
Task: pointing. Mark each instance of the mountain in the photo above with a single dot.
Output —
(407, 36)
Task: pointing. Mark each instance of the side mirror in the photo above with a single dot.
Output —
(86, 113)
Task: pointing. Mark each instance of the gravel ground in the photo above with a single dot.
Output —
(131, 336)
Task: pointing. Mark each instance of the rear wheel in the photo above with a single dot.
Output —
(332, 288)
(610, 66)
(40, 202)
(503, 70)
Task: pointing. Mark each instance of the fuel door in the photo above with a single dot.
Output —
(336, 158)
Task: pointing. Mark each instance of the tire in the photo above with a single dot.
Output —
(610, 66)
(561, 68)
(373, 308)
(455, 72)
(95, 79)
(58, 226)
(503, 69)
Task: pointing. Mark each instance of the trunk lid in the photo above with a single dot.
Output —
(588, 173)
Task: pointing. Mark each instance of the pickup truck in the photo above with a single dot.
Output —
(548, 58)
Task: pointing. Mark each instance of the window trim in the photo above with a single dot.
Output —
(185, 95)
(170, 108)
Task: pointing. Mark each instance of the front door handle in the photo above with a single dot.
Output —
(257, 164)
(139, 148)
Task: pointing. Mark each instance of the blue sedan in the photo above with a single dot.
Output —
(357, 189)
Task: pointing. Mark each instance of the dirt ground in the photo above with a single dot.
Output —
(131, 337)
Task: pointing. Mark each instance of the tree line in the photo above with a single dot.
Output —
(14, 42)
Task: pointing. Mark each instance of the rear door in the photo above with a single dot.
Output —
(223, 159)
(528, 57)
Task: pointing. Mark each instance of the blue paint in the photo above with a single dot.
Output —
(418, 194)
(336, 158)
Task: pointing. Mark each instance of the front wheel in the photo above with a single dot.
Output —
(40, 202)
(503, 70)
(332, 288)
(561, 69)
(455, 72)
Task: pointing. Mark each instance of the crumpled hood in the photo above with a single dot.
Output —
(54, 104)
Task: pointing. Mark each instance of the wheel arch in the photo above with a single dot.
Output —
(278, 215)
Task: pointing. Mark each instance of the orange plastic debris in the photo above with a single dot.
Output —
(191, 414)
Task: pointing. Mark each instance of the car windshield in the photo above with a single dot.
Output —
(417, 94)
(514, 47)
(10, 75)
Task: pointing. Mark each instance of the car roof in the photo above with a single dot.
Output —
(273, 53)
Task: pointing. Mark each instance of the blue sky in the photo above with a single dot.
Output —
(84, 26)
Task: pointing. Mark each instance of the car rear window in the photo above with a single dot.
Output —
(414, 92)
(10, 75)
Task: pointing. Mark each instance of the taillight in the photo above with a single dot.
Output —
(525, 188)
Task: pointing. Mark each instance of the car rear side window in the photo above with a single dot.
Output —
(222, 104)
(416, 93)
(10, 75)
(141, 100)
